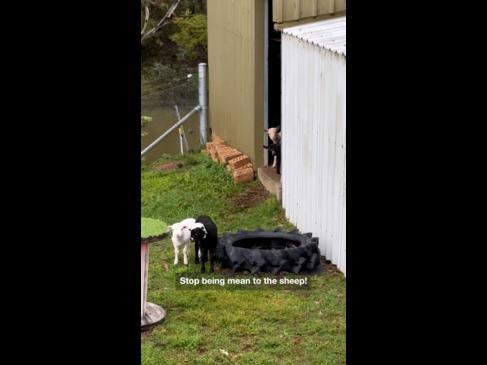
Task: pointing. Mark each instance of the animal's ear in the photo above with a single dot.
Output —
(266, 147)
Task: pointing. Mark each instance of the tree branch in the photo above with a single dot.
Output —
(146, 20)
(161, 23)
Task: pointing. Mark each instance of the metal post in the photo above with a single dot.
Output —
(203, 100)
(181, 130)
(181, 146)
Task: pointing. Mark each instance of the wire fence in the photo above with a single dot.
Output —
(186, 92)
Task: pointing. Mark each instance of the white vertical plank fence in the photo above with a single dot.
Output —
(313, 143)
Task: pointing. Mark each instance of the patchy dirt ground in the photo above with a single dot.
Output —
(172, 165)
(328, 267)
(251, 197)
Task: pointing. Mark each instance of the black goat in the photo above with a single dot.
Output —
(205, 236)
(275, 135)
(275, 149)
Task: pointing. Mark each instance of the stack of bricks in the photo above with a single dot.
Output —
(237, 163)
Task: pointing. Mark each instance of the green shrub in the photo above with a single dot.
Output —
(191, 37)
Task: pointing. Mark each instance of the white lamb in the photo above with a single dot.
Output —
(181, 236)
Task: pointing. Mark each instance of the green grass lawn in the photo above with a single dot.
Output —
(232, 327)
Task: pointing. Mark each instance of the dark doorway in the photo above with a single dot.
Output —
(273, 75)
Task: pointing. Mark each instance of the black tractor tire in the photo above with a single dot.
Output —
(269, 251)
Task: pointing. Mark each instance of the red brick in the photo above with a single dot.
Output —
(231, 169)
(234, 156)
(227, 156)
(242, 175)
(218, 140)
(220, 150)
(213, 153)
(238, 162)
(221, 147)
(212, 149)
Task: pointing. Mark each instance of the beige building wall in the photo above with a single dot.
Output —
(292, 10)
(236, 64)
(236, 74)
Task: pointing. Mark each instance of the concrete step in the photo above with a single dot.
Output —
(271, 181)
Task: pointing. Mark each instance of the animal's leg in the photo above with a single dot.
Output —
(212, 259)
(274, 164)
(204, 258)
(197, 253)
(176, 254)
(185, 253)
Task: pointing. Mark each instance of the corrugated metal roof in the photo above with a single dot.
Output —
(329, 34)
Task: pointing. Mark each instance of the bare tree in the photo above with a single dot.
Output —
(165, 19)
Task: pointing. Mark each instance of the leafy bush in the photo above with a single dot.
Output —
(191, 36)
(161, 71)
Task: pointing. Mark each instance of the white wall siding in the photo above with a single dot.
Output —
(314, 145)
